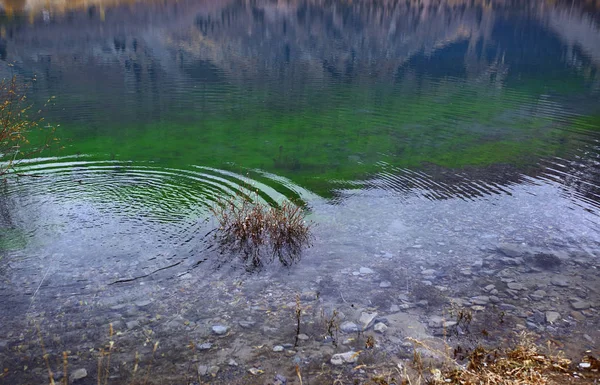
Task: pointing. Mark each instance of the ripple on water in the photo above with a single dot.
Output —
(90, 223)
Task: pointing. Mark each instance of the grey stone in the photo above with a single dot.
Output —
(581, 305)
(515, 286)
(349, 327)
(394, 309)
(511, 250)
(494, 299)
(213, 370)
(143, 304)
(132, 324)
(302, 337)
(366, 318)
(538, 294)
(439, 322)
(480, 300)
(202, 370)
(366, 270)
(278, 348)
(489, 288)
(205, 346)
(406, 306)
(246, 324)
(560, 281)
(279, 380)
(220, 329)
(429, 272)
(78, 374)
(552, 316)
(344, 358)
(309, 296)
(385, 284)
(380, 327)
(232, 362)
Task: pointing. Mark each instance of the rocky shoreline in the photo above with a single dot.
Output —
(243, 330)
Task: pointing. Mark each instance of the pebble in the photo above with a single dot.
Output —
(480, 300)
(342, 358)
(309, 296)
(489, 288)
(143, 304)
(255, 371)
(213, 370)
(220, 329)
(279, 380)
(78, 375)
(385, 284)
(246, 324)
(202, 370)
(232, 362)
(366, 270)
(132, 324)
(349, 327)
(302, 337)
(394, 309)
(438, 322)
(552, 316)
(560, 281)
(515, 286)
(580, 305)
(380, 327)
(278, 348)
(205, 346)
(538, 294)
(430, 272)
(366, 318)
(578, 316)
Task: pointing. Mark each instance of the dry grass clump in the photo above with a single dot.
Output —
(260, 232)
(524, 364)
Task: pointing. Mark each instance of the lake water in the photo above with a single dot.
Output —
(448, 153)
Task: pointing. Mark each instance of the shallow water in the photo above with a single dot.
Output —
(445, 146)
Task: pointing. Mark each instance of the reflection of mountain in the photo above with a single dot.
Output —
(130, 45)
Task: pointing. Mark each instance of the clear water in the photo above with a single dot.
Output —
(421, 135)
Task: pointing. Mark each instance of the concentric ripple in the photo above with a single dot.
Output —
(74, 206)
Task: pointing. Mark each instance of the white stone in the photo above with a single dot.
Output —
(341, 358)
(78, 375)
(380, 327)
(366, 319)
(552, 316)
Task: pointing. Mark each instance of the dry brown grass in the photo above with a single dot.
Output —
(260, 232)
(524, 364)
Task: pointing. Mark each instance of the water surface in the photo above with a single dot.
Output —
(421, 136)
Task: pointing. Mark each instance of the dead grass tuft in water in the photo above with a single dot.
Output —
(259, 232)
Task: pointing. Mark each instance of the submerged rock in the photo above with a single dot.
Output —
(380, 327)
(581, 305)
(366, 318)
(560, 281)
(552, 316)
(220, 329)
(344, 358)
(78, 375)
(349, 327)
